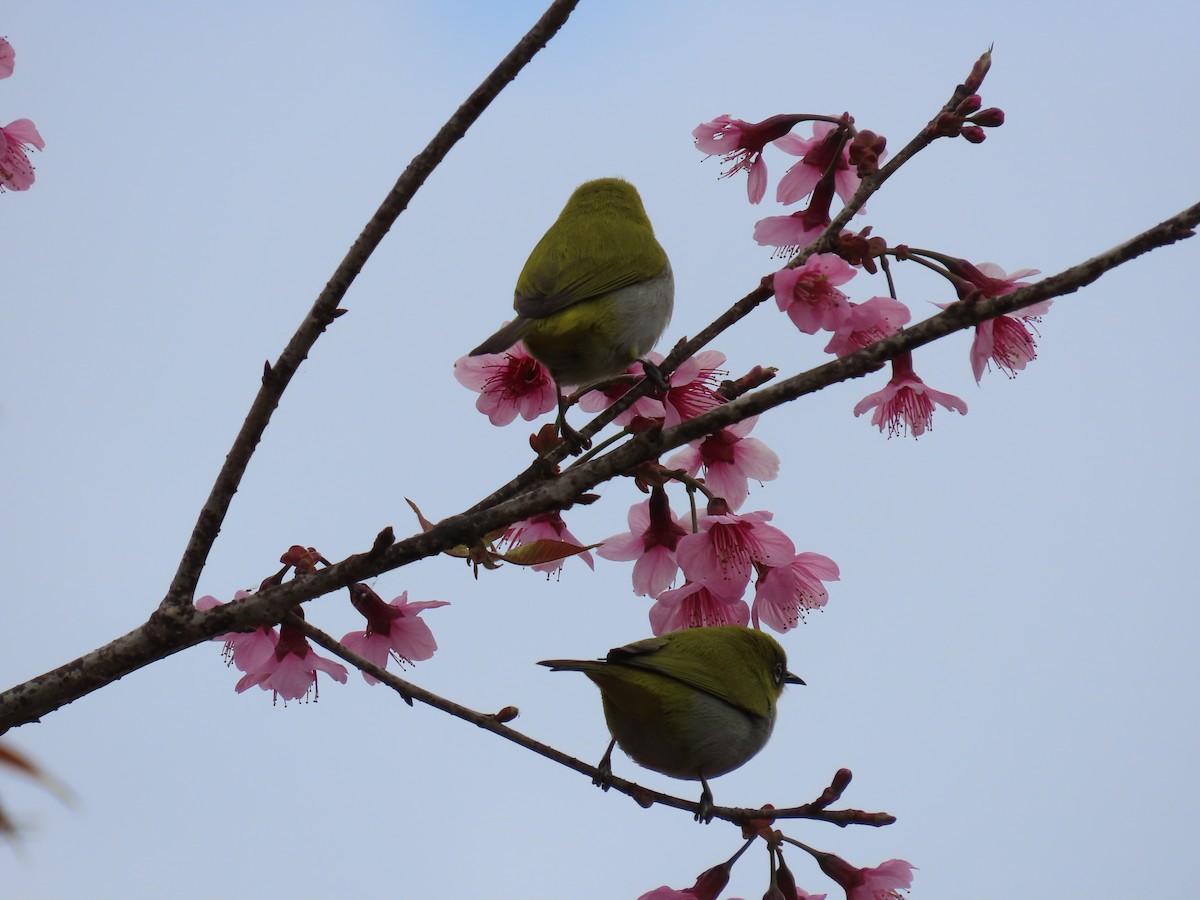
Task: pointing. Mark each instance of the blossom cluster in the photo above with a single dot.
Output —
(16, 172)
(717, 560)
(281, 660)
(882, 882)
(718, 556)
(721, 565)
(833, 162)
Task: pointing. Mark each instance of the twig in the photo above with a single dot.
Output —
(325, 309)
(645, 797)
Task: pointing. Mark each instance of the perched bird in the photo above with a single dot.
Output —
(692, 704)
(596, 292)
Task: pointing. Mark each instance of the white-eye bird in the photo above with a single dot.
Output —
(595, 294)
(691, 704)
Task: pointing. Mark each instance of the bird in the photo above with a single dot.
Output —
(595, 295)
(691, 704)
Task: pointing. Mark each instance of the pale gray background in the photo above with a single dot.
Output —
(1008, 662)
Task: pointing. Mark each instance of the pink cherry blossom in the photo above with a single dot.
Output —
(790, 234)
(508, 383)
(542, 527)
(7, 58)
(879, 883)
(643, 407)
(783, 594)
(741, 144)
(722, 554)
(16, 172)
(1007, 340)
(729, 460)
(987, 278)
(668, 893)
(708, 886)
(867, 323)
(809, 294)
(247, 650)
(906, 403)
(816, 154)
(291, 671)
(651, 540)
(393, 630)
(691, 392)
(883, 881)
(694, 605)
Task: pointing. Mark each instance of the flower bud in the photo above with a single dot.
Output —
(979, 71)
(992, 117)
(969, 105)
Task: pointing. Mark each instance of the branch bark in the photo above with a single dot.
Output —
(176, 628)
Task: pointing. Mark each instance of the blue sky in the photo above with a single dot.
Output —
(1008, 662)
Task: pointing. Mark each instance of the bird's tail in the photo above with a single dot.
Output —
(569, 665)
(509, 334)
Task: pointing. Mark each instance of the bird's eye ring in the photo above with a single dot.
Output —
(779, 672)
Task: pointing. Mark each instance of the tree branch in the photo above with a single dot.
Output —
(325, 309)
(645, 797)
(171, 630)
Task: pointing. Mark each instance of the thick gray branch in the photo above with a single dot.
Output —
(175, 628)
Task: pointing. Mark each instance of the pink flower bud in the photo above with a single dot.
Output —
(992, 117)
(979, 71)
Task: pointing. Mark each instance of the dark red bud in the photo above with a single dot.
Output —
(861, 249)
(833, 793)
(660, 507)
(865, 150)
(979, 72)
(717, 506)
(784, 879)
(773, 128)
(846, 875)
(506, 715)
(364, 599)
(383, 540)
(992, 117)
(974, 134)
(711, 882)
(969, 105)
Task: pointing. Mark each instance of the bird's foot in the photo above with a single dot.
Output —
(576, 442)
(603, 777)
(656, 377)
(705, 812)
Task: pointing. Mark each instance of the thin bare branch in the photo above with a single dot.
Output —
(277, 376)
(645, 797)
